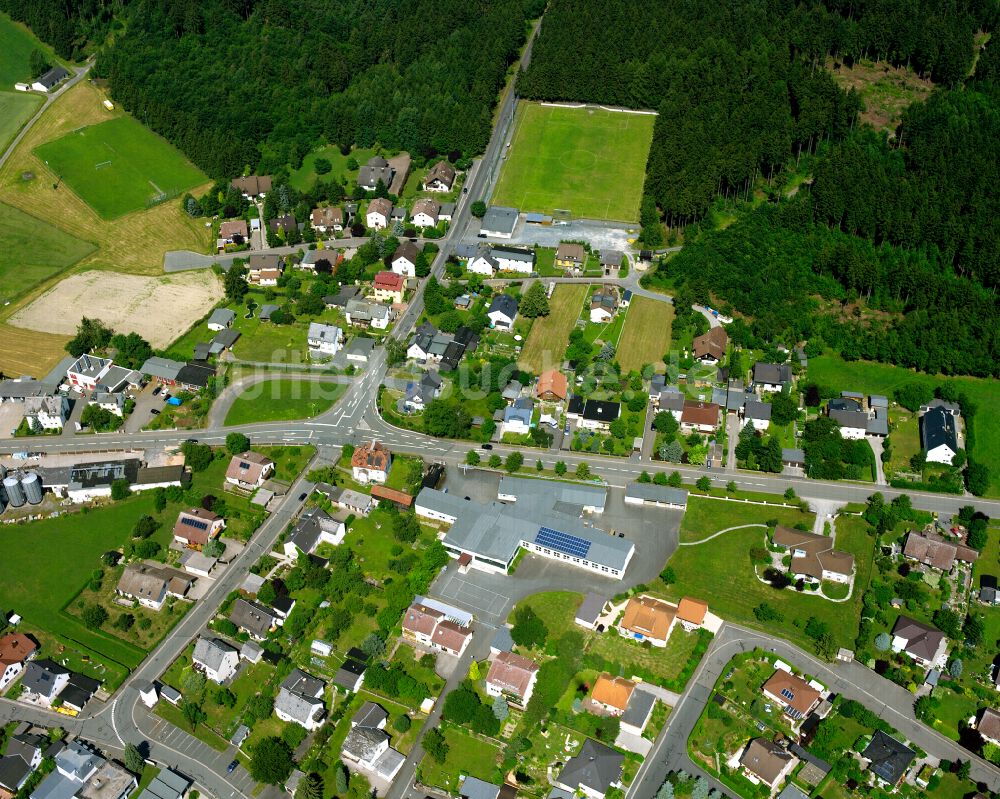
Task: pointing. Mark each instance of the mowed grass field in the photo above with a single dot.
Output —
(549, 336)
(282, 400)
(33, 251)
(879, 378)
(16, 44)
(16, 108)
(646, 337)
(119, 166)
(587, 161)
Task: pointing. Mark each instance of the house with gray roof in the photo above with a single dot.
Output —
(772, 377)
(590, 610)
(888, 759)
(221, 318)
(475, 788)
(44, 679)
(594, 770)
(300, 700)
(638, 712)
(216, 659)
(498, 223)
(502, 311)
(168, 784)
(315, 526)
(254, 618)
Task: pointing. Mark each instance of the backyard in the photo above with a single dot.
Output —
(466, 755)
(549, 336)
(646, 336)
(586, 161)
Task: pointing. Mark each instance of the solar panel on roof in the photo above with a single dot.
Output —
(244, 465)
(563, 542)
(787, 694)
(196, 523)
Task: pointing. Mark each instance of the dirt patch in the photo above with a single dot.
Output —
(885, 90)
(158, 308)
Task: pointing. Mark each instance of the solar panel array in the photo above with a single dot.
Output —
(196, 523)
(562, 542)
(787, 694)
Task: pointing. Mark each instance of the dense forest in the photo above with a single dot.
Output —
(258, 83)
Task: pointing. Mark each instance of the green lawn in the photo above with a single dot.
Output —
(33, 251)
(16, 108)
(549, 336)
(589, 162)
(303, 178)
(119, 166)
(720, 571)
(556, 609)
(876, 378)
(466, 755)
(16, 44)
(646, 336)
(283, 399)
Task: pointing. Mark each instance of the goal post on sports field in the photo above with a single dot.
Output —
(102, 164)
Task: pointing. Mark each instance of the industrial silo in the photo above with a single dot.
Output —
(31, 483)
(15, 494)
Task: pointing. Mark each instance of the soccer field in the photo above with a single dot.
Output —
(589, 162)
(119, 166)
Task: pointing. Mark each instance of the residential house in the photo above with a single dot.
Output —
(936, 552)
(49, 413)
(939, 435)
(638, 713)
(612, 694)
(513, 677)
(593, 771)
(320, 262)
(888, 759)
(672, 401)
(44, 680)
(221, 318)
(794, 695)
(763, 761)
(330, 219)
(404, 260)
(82, 774)
(376, 171)
(252, 186)
(699, 417)
(502, 312)
(350, 675)
(921, 642)
(249, 470)
(49, 79)
(313, 528)
(691, 613)
(498, 223)
(371, 462)
(426, 212)
(342, 297)
(370, 715)
(300, 700)
(283, 226)
(757, 414)
(593, 414)
(517, 418)
(590, 610)
(857, 420)
(603, 305)
(440, 177)
(571, 256)
(150, 584)
(87, 371)
(552, 386)
(15, 650)
(648, 619)
(197, 526)
(482, 263)
(359, 350)
(264, 269)
(813, 556)
(367, 748)
(364, 314)
(772, 377)
(216, 659)
(419, 394)
(379, 213)
(437, 626)
(710, 347)
(611, 261)
(988, 725)
(254, 618)
(389, 286)
(324, 340)
(22, 757)
(514, 259)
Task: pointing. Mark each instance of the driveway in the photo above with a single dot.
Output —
(876, 445)
(142, 413)
(732, 439)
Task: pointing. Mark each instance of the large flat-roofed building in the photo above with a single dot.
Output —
(539, 518)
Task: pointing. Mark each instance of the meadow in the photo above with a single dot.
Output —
(878, 378)
(33, 251)
(119, 166)
(303, 178)
(646, 336)
(16, 44)
(16, 108)
(584, 160)
(549, 336)
(284, 399)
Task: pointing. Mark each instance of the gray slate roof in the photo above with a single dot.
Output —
(210, 652)
(597, 767)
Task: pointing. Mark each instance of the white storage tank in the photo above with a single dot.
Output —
(15, 494)
(31, 483)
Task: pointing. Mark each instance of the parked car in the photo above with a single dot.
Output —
(303, 495)
(157, 390)
(155, 412)
(232, 767)
(487, 446)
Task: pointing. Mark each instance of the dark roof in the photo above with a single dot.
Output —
(195, 374)
(575, 404)
(597, 767)
(923, 641)
(937, 427)
(889, 758)
(52, 77)
(39, 675)
(773, 373)
(601, 410)
(13, 773)
(505, 304)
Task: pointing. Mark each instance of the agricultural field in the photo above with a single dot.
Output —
(34, 251)
(646, 336)
(549, 335)
(157, 308)
(16, 44)
(283, 399)
(877, 378)
(119, 166)
(16, 108)
(587, 161)
(720, 571)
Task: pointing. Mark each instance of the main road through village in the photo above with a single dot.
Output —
(123, 719)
